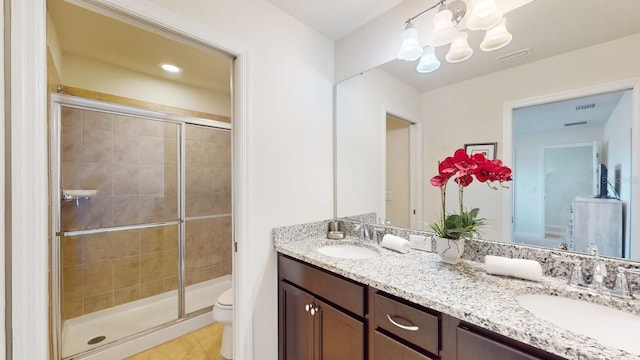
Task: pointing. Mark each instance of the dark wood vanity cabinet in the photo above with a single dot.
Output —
(321, 315)
(402, 330)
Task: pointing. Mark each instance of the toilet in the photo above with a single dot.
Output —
(223, 313)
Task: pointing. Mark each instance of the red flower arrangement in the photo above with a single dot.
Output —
(463, 168)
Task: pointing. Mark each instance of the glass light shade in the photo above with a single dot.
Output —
(496, 37)
(484, 15)
(410, 49)
(428, 62)
(460, 49)
(443, 29)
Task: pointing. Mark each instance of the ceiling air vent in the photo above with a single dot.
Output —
(576, 123)
(516, 55)
(585, 107)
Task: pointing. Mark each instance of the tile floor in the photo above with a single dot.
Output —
(201, 344)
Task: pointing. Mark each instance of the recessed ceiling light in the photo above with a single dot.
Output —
(170, 68)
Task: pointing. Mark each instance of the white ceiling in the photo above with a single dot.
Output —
(554, 116)
(90, 35)
(335, 18)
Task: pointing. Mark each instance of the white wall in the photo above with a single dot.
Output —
(361, 137)
(93, 75)
(617, 133)
(474, 108)
(291, 106)
(528, 182)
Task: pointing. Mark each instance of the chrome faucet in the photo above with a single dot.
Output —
(599, 272)
(363, 231)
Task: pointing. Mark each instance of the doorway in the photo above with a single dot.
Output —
(398, 163)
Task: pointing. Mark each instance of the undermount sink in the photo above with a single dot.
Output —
(348, 251)
(609, 326)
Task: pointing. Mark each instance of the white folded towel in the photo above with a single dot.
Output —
(518, 268)
(396, 243)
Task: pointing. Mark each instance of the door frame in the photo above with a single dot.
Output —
(27, 286)
(632, 84)
(415, 166)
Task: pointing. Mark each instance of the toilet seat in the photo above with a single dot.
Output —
(226, 299)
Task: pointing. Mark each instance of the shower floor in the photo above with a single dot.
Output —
(124, 320)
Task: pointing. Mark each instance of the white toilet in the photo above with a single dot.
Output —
(223, 313)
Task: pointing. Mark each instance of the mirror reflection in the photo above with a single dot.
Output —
(587, 60)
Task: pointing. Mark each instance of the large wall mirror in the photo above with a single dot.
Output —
(561, 101)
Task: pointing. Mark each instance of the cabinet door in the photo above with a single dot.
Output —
(341, 336)
(296, 338)
(473, 346)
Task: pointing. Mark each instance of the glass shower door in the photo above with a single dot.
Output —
(208, 236)
(118, 225)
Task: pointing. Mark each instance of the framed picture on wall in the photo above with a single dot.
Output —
(488, 149)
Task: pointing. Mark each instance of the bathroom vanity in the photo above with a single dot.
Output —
(412, 306)
(323, 315)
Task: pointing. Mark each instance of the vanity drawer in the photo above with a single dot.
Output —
(407, 322)
(386, 348)
(337, 290)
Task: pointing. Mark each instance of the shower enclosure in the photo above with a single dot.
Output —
(141, 220)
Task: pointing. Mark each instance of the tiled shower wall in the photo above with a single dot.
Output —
(133, 163)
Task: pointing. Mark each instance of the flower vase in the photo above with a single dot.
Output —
(450, 250)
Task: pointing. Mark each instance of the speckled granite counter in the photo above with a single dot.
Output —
(464, 291)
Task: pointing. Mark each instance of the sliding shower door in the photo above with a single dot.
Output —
(131, 238)
(207, 213)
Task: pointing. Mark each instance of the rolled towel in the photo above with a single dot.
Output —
(518, 268)
(396, 243)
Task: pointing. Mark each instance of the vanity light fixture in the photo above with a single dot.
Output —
(170, 68)
(483, 15)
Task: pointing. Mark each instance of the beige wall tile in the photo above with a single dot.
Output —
(170, 151)
(125, 295)
(72, 308)
(170, 235)
(151, 267)
(98, 279)
(72, 283)
(151, 288)
(71, 117)
(97, 176)
(153, 128)
(125, 180)
(170, 266)
(97, 247)
(98, 302)
(71, 144)
(100, 212)
(126, 149)
(71, 251)
(170, 284)
(126, 209)
(151, 180)
(126, 272)
(128, 125)
(125, 243)
(97, 146)
(97, 120)
(151, 239)
(151, 150)
(71, 176)
(151, 208)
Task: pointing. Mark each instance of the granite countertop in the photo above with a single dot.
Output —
(466, 292)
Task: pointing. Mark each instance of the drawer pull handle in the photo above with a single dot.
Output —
(307, 307)
(404, 327)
